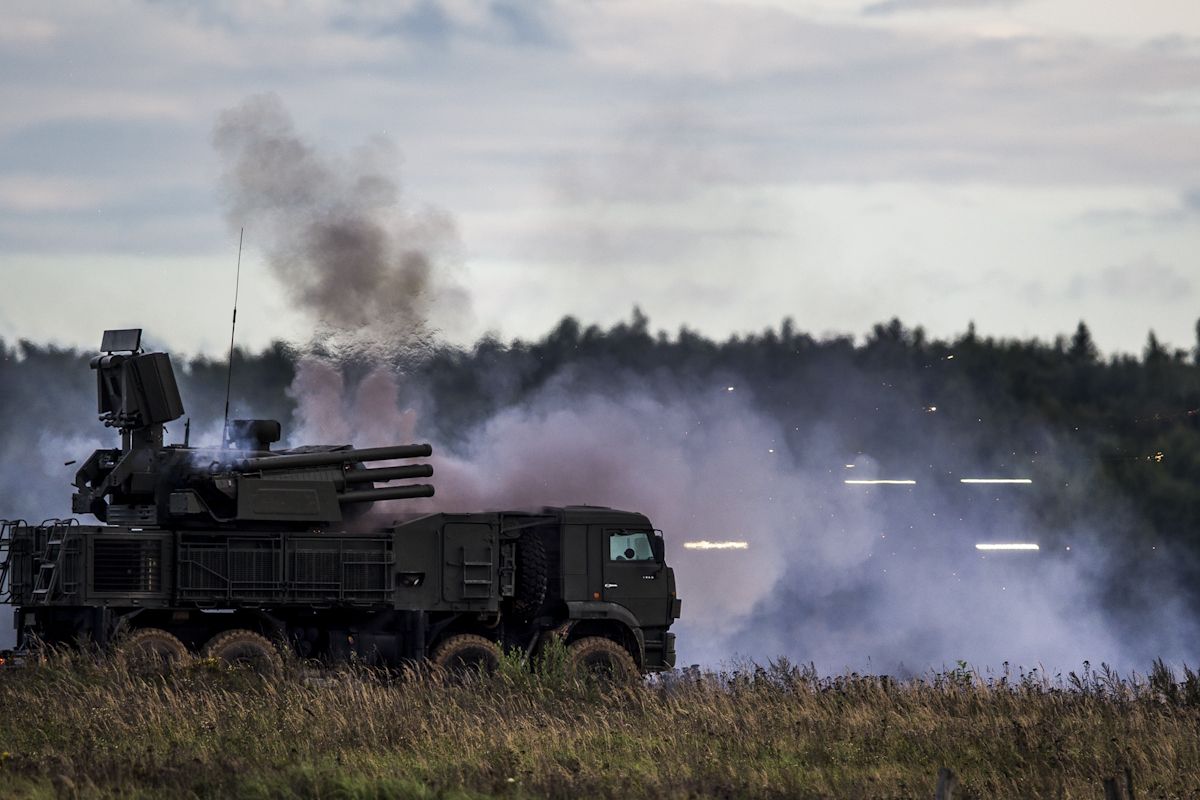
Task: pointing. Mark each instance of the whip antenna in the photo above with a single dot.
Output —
(237, 284)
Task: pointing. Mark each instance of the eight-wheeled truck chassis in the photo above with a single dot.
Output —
(452, 587)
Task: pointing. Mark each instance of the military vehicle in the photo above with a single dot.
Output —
(234, 552)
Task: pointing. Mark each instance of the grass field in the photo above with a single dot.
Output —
(76, 726)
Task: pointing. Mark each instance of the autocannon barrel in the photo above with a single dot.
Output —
(389, 473)
(387, 493)
(327, 458)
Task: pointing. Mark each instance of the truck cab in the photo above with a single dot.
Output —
(613, 581)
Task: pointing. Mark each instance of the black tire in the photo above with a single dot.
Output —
(531, 575)
(152, 650)
(240, 647)
(466, 652)
(602, 658)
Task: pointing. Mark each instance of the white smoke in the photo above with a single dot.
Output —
(884, 578)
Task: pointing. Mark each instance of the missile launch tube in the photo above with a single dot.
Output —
(389, 473)
(328, 458)
(387, 493)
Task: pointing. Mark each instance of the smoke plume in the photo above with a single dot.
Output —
(848, 576)
(373, 274)
(882, 578)
(368, 268)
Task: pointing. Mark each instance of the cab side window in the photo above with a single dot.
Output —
(630, 546)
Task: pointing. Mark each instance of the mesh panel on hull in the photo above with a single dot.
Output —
(127, 565)
(286, 569)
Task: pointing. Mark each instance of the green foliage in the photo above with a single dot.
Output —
(553, 664)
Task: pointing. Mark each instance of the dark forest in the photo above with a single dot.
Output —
(1112, 445)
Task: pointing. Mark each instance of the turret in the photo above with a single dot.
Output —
(241, 484)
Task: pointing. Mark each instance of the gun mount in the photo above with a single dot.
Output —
(242, 483)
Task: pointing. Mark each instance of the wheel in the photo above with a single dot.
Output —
(466, 652)
(602, 658)
(531, 575)
(152, 650)
(243, 647)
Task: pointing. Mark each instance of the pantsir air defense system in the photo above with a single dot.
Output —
(238, 551)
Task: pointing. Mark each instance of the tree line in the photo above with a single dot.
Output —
(1133, 421)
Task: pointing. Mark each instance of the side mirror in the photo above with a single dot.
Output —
(660, 550)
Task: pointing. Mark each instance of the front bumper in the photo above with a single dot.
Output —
(669, 650)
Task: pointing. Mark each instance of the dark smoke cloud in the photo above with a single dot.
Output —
(336, 232)
(375, 275)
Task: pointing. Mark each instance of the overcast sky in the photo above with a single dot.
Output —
(721, 164)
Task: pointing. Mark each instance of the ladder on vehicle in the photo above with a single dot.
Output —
(476, 576)
(50, 563)
(7, 528)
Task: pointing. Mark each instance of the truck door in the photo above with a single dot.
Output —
(634, 576)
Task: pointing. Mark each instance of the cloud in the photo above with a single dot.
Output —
(22, 193)
(739, 42)
(794, 98)
(426, 21)
(439, 24)
(642, 126)
(27, 31)
(1146, 279)
(526, 22)
(1169, 210)
(899, 6)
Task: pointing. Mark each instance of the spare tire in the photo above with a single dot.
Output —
(240, 647)
(152, 650)
(530, 591)
(465, 652)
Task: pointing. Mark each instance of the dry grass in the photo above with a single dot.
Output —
(81, 726)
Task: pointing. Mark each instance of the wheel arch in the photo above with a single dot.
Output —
(461, 623)
(609, 620)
